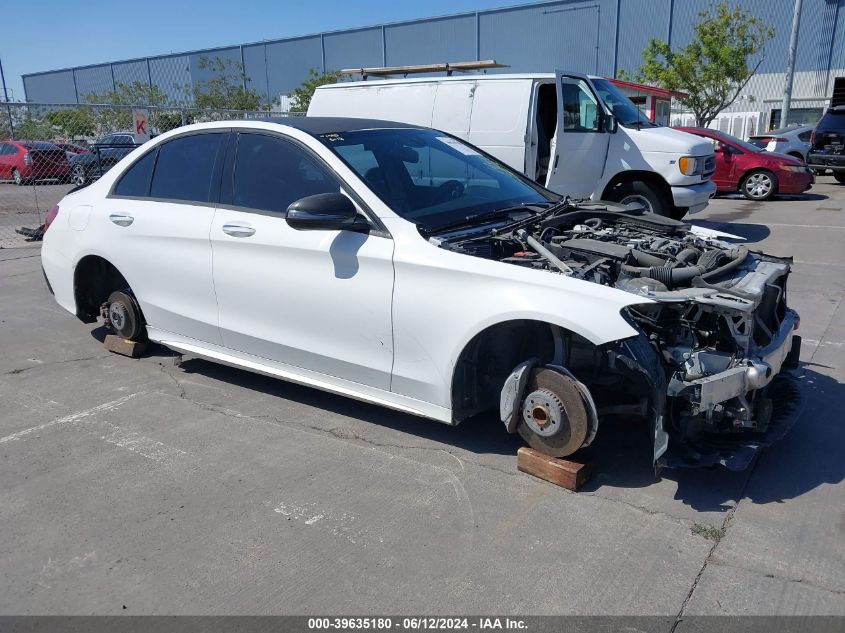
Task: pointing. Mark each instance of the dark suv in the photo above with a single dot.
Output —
(104, 154)
(827, 144)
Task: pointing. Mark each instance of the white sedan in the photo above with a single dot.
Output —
(401, 266)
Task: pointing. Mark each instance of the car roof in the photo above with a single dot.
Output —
(316, 125)
(785, 130)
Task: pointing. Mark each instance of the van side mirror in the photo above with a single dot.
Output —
(324, 212)
(611, 124)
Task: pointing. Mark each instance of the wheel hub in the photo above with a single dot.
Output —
(554, 418)
(117, 315)
(543, 412)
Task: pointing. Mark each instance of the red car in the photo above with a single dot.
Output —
(23, 161)
(755, 173)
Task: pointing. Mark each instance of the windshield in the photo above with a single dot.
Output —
(432, 179)
(735, 141)
(622, 107)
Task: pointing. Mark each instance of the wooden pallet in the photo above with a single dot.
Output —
(561, 472)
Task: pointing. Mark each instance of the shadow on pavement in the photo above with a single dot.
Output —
(482, 434)
(808, 457)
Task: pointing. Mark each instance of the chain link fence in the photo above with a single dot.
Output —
(47, 150)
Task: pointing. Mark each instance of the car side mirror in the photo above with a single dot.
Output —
(323, 212)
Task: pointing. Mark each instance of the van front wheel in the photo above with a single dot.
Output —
(642, 193)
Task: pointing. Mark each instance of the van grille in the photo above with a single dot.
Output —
(709, 166)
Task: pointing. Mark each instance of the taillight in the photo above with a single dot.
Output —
(778, 140)
(27, 158)
(813, 138)
(51, 215)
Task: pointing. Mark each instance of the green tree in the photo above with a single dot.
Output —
(33, 127)
(301, 96)
(227, 89)
(111, 111)
(726, 50)
(136, 93)
(72, 122)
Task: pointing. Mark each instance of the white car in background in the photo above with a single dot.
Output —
(794, 141)
(401, 266)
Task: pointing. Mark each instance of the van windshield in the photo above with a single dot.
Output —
(622, 107)
(432, 179)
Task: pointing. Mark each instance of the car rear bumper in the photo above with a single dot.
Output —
(45, 171)
(826, 161)
(694, 198)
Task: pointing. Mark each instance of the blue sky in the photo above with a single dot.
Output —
(58, 33)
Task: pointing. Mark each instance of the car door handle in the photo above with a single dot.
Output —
(238, 230)
(121, 219)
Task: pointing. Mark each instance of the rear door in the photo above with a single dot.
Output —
(317, 300)
(6, 151)
(157, 220)
(579, 148)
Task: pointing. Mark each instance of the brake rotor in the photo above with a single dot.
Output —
(554, 416)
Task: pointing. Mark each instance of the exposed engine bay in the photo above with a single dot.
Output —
(717, 337)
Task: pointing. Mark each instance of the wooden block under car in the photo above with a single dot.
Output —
(120, 345)
(561, 472)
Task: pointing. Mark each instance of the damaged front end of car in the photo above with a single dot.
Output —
(711, 366)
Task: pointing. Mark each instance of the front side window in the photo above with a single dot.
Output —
(135, 182)
(580, 108)
(432, 179)
(271, 173)
(622, 107)
(185, 166)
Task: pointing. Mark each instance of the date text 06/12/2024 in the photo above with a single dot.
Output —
(416, 623)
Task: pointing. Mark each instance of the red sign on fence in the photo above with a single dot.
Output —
(141, 125)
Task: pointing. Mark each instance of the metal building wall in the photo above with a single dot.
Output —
(596, 36)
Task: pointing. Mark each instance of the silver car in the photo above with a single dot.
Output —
(794, 141)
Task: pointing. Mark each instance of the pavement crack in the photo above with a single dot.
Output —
(680, 521)
(20, 370)
(768, 574)
(725, 524)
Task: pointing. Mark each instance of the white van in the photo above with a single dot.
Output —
(605, 148)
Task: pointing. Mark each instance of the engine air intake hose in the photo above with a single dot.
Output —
(673, 276)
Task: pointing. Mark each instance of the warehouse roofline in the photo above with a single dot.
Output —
(213, 49)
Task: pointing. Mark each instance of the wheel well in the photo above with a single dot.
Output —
(492, 354)
(94, 279)
(648, 177)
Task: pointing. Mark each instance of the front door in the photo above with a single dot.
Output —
(318, 300)
(579, 148)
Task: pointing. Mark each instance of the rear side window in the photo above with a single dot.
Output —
(271, 173)
(805, 136)
(136, 181)
(185, 167)
(832, 120)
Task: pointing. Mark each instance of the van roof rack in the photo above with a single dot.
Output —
(448, 68)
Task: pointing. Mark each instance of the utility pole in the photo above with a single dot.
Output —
(790, 65)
